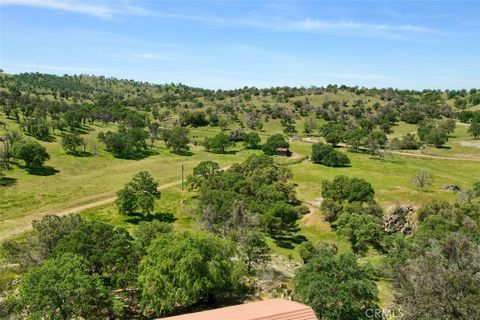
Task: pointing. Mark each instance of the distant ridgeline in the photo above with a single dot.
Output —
(81, 98)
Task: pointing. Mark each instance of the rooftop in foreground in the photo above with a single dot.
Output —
(273, 309)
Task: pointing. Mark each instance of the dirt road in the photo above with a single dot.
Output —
(401, 153)
(432, 157)
(67, 211)
(109, 198)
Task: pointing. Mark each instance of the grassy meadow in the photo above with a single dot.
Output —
(71, 181)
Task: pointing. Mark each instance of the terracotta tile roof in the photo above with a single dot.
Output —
(273, 309)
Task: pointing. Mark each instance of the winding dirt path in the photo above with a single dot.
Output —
(432, 156)
(100, 202)
(407, 154)
(76, 209)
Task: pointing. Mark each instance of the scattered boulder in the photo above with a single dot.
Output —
(399, 220)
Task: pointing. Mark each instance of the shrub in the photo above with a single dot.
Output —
(327, 155)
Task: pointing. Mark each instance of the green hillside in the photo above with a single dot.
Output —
(122, 127)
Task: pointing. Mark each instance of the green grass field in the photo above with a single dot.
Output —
(80, 180)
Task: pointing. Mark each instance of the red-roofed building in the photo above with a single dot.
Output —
(285, 152)
(273, 309)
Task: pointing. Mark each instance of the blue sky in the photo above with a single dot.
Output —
(228, 44)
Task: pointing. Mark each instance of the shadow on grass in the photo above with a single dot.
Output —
(341, 166)
(288, 239)
(136, 218)
(42, 171)
(183, 153)
(444, 147)
(82, 130)
(49, 138)
(137, 155)
(226, 152)
(7, 182)
(81, 154)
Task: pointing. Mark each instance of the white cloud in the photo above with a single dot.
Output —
(309, 25)
(108, 9)
(320, 25)
(82, 7)
(100, 8)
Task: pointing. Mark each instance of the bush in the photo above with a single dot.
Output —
(32, 152)
(219, 143)
(71, 142)
(251, 140)
(126, 142)
(327, 155)
(177, 139)
(422, 179)
(63, 288)
(336, 287)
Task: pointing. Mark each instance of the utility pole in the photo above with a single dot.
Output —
(182, 175)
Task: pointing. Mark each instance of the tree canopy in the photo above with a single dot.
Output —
(237, 198)
(218, 143)
(139, 194)
(110, 252)
(336, 287)
(273, 143)
(126, 142)
(71, 142)
(177, 140)
(32, 152)
(327, 155)
(64, 288)
(251, 140)
(181, 269)
(446, 275)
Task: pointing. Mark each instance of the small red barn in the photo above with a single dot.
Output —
(284, 152)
